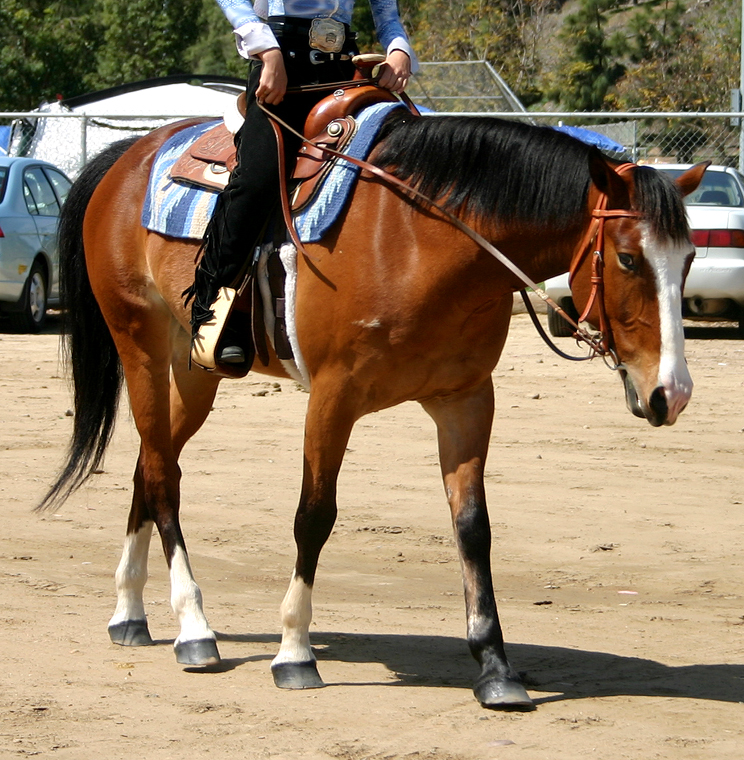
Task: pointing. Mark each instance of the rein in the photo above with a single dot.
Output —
(599, 344)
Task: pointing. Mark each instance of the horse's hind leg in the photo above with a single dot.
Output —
(128, 626)
(328, 425)
(192, 395)
(464, 427)
(156, 499)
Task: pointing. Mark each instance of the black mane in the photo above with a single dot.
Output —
(490, 167)
(515, 172)
(660, 202)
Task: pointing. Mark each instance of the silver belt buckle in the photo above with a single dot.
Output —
(327, 35)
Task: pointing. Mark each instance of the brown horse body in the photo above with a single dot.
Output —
(394, 304)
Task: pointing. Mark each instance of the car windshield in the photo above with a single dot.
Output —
(716, 189)
(3, 181)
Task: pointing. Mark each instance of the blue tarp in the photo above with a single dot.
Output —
(4, 140)
(593, 138)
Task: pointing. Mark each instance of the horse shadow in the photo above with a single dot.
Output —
(562, 673)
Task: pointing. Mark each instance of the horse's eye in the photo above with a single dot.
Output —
(626, 261)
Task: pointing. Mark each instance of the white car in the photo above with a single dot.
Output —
(714, 289)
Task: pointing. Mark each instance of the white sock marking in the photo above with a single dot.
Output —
(186, 600)
(131, 576)
(297, 614)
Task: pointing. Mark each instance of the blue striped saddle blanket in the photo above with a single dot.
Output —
(183, 211)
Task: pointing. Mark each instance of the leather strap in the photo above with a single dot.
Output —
(599, 345)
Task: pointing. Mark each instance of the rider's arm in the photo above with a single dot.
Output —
(401, 60)
(390, 30)
(253, 36)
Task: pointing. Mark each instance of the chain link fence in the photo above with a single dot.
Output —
(663, 138)
(654, 139)
(70, 138)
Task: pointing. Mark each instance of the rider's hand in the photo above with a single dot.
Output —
(395, 71)
(273, 82)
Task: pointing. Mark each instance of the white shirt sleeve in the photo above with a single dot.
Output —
(254, 37)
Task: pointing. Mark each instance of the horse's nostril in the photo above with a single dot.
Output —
(658, 404)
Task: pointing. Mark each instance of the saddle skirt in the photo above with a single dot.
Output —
(193, 165)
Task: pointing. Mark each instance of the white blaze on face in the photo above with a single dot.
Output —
(667, 260)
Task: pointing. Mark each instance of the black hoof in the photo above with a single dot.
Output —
(503, 694)
(297, 675)
(197, 653)
(131, 633)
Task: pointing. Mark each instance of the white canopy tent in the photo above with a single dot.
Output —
(110, 115)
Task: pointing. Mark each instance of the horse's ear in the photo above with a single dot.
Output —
(607, 180)
(689, 181)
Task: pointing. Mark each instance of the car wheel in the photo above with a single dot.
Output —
(557, 326)
(32, 316)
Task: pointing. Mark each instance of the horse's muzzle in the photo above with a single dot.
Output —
(631, 397)
(657, 410)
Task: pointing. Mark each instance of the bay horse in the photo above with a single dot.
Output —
(393, 304)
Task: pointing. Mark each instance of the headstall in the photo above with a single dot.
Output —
(595, 238)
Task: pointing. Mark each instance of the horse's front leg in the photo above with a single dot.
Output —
(464, 427)
(328, 425)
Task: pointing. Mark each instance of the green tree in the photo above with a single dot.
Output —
(591, 63)
(145, 38)
(45, 50)
(681, 59)
(214, 52)
(364, 24)
(504, 33)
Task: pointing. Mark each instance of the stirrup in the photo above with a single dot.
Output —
(206, 340)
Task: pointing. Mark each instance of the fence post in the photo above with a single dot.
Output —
(741, 89)
(635, 141)
(83, 141)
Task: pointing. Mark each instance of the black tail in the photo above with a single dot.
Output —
(90, 350)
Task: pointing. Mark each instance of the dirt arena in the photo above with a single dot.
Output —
(618, 560)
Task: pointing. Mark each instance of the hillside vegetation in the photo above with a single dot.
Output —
(577, 55)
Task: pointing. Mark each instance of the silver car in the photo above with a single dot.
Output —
(31, 196)
(714, 289)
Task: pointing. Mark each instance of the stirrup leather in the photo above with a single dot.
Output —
(204, 346)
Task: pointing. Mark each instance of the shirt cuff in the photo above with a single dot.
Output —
(401, 43)
(254, 37)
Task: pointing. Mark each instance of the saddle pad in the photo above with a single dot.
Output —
(171, 208)
(183, 211)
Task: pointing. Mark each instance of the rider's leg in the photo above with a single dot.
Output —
(253, 191)
(240, 214)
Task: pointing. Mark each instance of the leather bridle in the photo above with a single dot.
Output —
(600, 344)
(595, 238)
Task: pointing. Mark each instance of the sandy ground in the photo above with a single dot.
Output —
(618, 558)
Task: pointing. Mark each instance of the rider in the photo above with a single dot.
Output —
(290, 44)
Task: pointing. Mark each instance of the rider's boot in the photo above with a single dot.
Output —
(221, 338)
(215, 342)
